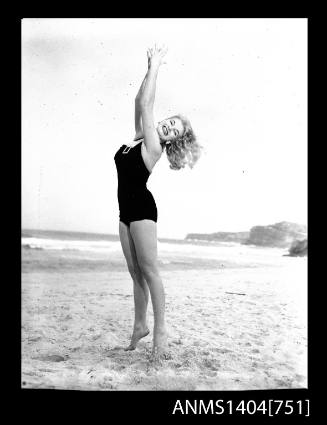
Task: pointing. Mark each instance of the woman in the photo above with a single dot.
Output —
(138, 212)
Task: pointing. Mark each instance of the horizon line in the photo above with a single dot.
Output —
(202, 233)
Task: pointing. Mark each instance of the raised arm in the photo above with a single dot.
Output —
(151, 137)
(138, 117)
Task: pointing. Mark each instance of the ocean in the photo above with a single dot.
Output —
(63, 250)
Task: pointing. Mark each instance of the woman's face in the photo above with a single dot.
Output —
(170, 129)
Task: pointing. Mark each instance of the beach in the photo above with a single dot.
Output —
(236, 317)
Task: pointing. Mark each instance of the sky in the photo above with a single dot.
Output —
(241, 82)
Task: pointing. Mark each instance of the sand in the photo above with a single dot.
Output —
(238, 326)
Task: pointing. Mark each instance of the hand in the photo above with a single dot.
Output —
(149, 55)
(156, 55)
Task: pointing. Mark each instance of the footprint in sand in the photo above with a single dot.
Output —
(221, 350)
(177, 341)
(211, 364)
(73, 349)
(52, 358)
(118, 367)
(34, 339)
(218, 333)
(95, 337)
(33, 373)
(186, 363)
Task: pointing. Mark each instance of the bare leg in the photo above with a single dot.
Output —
(141, 298)
(144, 234)
(158, 303)
(140, 288)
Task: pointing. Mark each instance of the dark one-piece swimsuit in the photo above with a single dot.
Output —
(134, 199)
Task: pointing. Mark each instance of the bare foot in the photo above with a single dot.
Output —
(160, 347)
(137, 335)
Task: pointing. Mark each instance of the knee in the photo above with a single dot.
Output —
(149, 270)
(135, 272)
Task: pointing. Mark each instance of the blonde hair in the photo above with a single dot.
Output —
(185, 149)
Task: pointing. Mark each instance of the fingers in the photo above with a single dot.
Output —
(165, 49)
(160, 50)
(156, 54)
